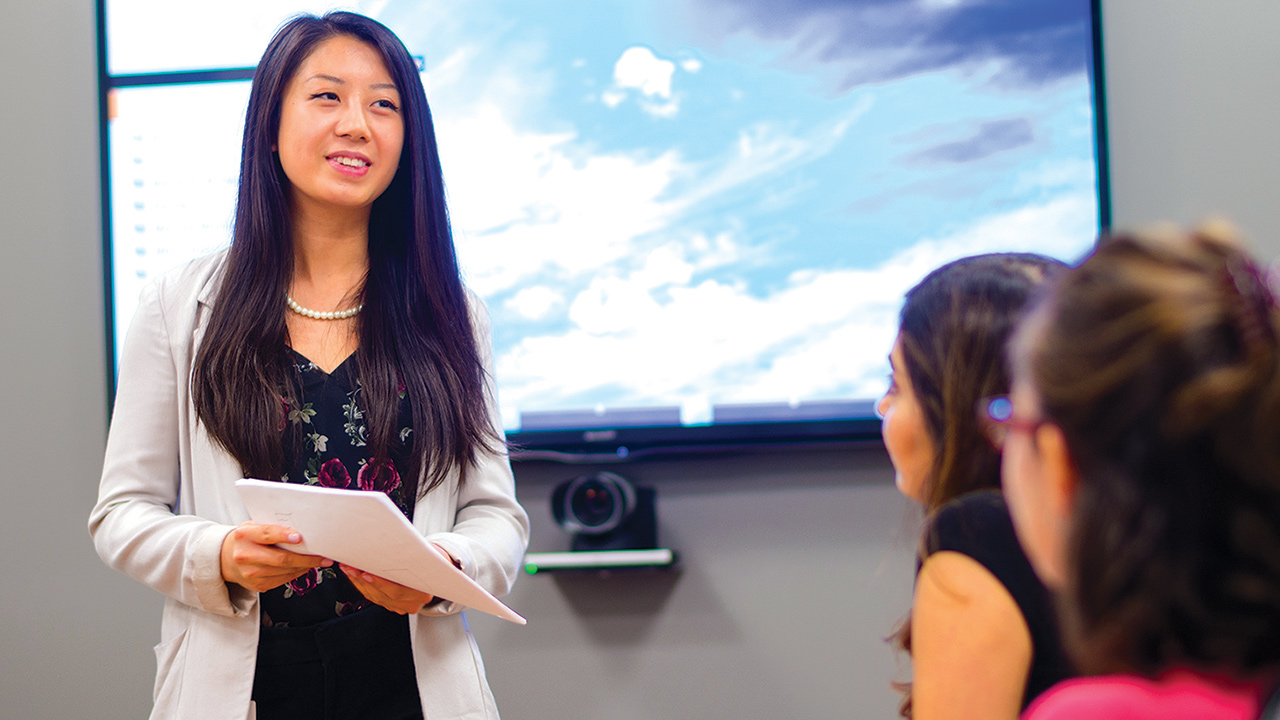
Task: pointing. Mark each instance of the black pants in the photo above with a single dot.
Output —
(357, 666)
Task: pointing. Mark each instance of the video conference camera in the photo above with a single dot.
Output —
(604, 511)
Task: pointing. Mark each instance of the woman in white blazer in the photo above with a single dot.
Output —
(332, 344)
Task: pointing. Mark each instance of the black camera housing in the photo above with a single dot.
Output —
(604, 511)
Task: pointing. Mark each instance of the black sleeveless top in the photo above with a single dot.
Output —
(977, 524)
(325, 444)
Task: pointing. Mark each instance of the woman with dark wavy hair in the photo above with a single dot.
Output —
(1142, 467)
(333, 344)
(981, 631)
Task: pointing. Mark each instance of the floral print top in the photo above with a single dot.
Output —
(324, 444)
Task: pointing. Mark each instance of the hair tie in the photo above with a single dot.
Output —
(1253, 302)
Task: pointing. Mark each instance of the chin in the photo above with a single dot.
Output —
(1048, 569)
(912, 489)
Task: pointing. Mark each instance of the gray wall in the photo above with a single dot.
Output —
(1191, 92)
(76, 637)
(794, 569)
(795, 565)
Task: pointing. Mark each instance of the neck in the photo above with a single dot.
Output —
(330, 257)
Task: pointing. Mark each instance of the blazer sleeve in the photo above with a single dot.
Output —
(491, 529)
(134, 525)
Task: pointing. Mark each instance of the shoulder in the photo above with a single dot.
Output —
(952, 579)
(976, 504)
(169, 305)
(1178, 696)
(1100, 697)
(970, 524)
(977, 526)
(475, 303)
(194, 281)
(960, 612)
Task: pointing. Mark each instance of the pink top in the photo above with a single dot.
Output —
(1175, 695)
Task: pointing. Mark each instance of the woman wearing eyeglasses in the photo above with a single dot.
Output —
(1142, 469)
(981, 630)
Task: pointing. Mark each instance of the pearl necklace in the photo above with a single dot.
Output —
(317, 315)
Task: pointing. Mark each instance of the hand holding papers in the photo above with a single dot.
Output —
(367, 531)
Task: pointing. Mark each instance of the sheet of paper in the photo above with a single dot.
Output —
(365, 530)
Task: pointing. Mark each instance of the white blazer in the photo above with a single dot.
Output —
(167, 500)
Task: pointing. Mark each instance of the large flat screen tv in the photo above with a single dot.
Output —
(692, 220)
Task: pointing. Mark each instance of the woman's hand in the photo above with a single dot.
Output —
(250, 560)
(391, 595)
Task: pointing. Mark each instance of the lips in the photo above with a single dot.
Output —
(349, 163)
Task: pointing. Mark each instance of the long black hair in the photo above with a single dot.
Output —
(415, 333)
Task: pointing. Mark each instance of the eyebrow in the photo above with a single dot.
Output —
(340, 81)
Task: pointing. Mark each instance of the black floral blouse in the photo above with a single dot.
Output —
(324, 444)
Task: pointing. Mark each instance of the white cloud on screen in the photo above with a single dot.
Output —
(522, 205)
(841, 356)
(640, 69)
(535, 303)
(157, 35)
(825, 334)
(667, 109)
(765, 149)
(449, 71)
(587, 243)
(1054, 176)
(527, 204)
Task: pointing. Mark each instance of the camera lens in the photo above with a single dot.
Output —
(593, 504)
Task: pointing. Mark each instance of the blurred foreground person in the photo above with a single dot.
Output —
(1142, 469)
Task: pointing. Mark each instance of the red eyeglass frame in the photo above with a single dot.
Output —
(996, 428)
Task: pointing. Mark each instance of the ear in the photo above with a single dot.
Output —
(1060, 476)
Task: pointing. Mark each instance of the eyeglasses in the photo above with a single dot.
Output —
(995, 415)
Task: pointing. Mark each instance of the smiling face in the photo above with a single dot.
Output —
(906, 436)
(341, 129)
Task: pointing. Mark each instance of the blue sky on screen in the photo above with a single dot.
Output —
(696, 202)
